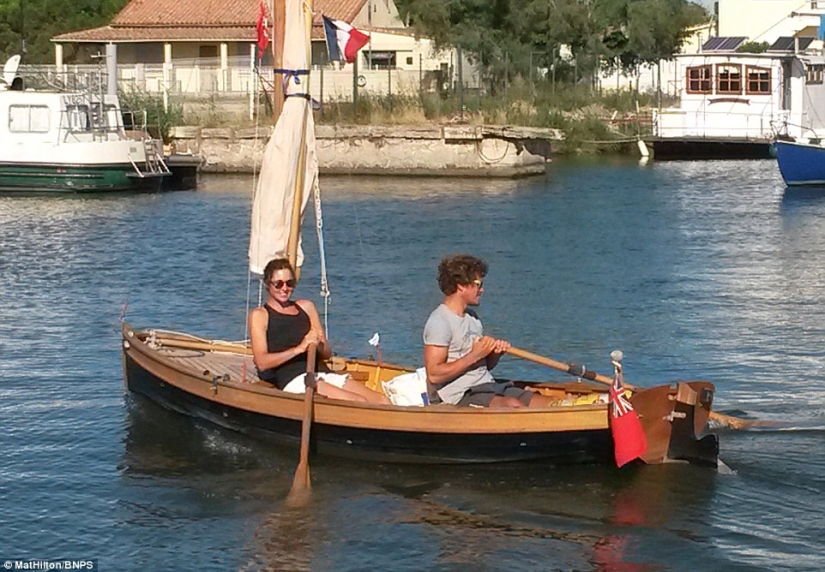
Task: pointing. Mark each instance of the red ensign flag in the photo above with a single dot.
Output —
(629, 440)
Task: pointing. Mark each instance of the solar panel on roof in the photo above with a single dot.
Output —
(786, 44)
(723, 43)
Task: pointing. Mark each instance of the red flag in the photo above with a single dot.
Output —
(629, 440)
(263, 30)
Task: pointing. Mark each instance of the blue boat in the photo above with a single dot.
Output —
(801, 163)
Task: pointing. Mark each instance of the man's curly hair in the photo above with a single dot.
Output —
(460, 269)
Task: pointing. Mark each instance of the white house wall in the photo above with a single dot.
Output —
(411, 53)
(766, 20)
(378, 14)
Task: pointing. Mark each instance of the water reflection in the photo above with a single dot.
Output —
(795, 197)
(541, 516)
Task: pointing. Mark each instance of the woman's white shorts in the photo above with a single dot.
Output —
(297, 384)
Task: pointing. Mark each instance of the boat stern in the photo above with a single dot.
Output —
(674, 419)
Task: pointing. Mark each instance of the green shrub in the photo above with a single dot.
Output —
(159, 120)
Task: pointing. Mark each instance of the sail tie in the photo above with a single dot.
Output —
(295, 76)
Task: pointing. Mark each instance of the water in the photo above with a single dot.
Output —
(695, 270)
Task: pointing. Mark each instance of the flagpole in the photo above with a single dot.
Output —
(355, 89)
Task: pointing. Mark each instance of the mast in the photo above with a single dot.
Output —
(295, 224)
(289, 168)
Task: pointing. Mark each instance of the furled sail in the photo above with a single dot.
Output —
(290, 166)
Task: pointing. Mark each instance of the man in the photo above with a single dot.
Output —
(458, 356)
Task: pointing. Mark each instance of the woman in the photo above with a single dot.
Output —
(282, 331)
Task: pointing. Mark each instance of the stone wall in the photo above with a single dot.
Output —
(464, 150)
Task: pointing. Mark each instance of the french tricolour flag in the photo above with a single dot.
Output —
(343, 41)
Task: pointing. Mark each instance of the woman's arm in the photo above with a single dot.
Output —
(324, 347)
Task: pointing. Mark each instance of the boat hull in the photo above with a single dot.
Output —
(801, 163)
(702, 148)
(52, 178)
(376, 443)
(220, 387)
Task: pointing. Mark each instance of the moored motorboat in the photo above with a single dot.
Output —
(72, 141)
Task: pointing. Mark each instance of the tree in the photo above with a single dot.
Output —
(753, 47)
(37, 21)
(624, 33)
(646, 31)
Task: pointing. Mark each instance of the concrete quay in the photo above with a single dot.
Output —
(432, 150)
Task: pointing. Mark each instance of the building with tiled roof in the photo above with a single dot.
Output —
(162, 31)
(209, 46)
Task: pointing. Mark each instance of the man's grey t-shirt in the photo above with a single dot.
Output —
(446, 329)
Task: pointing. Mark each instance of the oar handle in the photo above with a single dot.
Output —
(571, 368)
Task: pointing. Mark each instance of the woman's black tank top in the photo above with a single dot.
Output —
(284, 331)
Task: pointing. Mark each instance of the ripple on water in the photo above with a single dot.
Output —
(692, 272)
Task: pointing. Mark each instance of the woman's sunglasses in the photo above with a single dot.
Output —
(278, 284)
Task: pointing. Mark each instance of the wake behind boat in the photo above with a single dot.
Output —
(218, 382)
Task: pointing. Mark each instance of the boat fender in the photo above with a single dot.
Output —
(643, 150)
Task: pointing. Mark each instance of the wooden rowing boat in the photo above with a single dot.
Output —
(217, 382)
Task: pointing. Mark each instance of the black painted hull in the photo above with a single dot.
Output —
(709, 149)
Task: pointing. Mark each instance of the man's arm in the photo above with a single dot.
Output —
(440, 371)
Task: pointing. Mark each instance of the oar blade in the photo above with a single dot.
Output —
(301, 492)
(299, 495)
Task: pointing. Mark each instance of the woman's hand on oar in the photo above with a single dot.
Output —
(581, 371)
(301, 487)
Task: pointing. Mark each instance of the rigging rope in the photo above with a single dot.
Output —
(255, 175)
(319, 229)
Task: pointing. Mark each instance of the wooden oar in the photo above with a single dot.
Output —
(229, 347)
(301, 487)
(581, 371)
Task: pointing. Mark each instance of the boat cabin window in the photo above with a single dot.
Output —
(759, 80)
(729, 79)
(29, 119)
(699, 79)
(814, 73)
